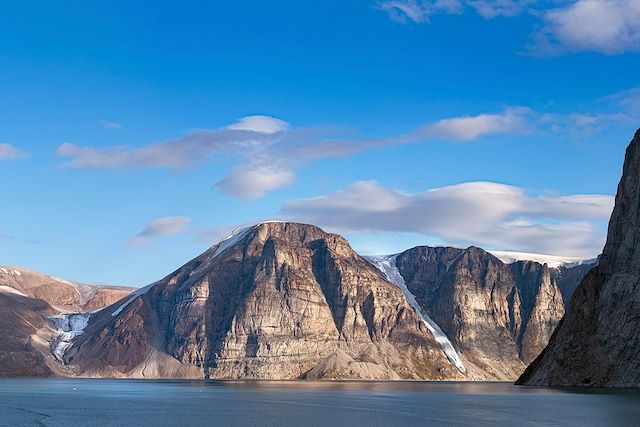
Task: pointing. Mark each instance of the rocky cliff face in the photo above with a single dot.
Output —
(277, 300)
(498, 316)
(598, 341)
(30, 304)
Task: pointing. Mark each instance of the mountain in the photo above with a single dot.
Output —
(497, 316)
(285, 301)
(63, 294)
(34, 307)
(273, 301)
(597, 344)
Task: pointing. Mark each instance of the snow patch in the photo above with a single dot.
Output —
(10, 271)
(66, 282)
(387, 265)
(9, 290)
(222, 246)
(231, 240)
(553, 261)
(132, 298)
(450, 263)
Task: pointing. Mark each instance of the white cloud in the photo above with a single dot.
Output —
(486, 214)
(258, 123)
(161, 227)
(192, 150)
(605, 26)
(110, 125)
(252, 181)
(9, 152)
(269, 150)
(468, 128)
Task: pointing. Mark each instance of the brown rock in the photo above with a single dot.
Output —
(277, 301)
(27, 301)
(498, 316)
(598, 341)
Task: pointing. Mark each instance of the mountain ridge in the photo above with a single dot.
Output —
(285, 300)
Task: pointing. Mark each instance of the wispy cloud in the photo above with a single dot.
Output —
(194, 149)
(266, 152)
(489, 9)
(110, 125)
(9, 152)
(161, 227)
(487, 214)
(269, 150)
(627, 101)
(403, 11)
(581, 124)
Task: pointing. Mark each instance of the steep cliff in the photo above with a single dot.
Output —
(498, 316)
(276, 300)
(598, 341)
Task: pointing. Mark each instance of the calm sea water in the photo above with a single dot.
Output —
(73, 402)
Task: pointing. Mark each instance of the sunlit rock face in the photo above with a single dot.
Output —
(598, 341)
(499, 316)
(273, 301)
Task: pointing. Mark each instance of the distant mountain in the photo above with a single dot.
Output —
(497, 316)
(598, 341)
(62, 294)
(34, 308)
(552, 261)
(273, 301)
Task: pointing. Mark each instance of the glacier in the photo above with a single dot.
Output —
(69, 325)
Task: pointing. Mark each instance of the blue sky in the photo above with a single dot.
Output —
(133, 136)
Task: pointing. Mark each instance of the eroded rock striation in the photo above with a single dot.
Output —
(597, 344)
(498, 316)
(273, 301)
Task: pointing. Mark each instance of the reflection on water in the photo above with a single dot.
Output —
(64, 402)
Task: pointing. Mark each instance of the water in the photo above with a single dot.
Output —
(72, 402)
